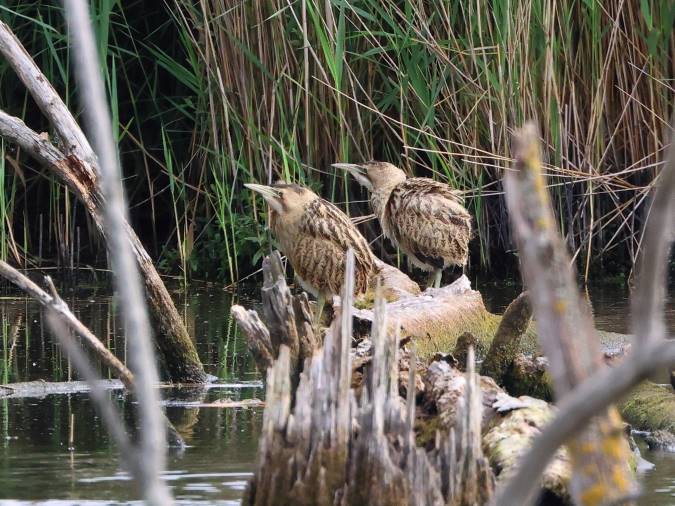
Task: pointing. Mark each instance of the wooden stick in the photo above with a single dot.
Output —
(152, 447)
(74, 163)
(58, 306)
(591, 391)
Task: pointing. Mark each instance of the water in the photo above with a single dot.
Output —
(37, 467)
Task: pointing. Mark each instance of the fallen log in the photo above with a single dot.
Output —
(437, 317)
(74, 163)
(43, 388)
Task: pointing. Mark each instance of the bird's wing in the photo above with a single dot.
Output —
(429, 222)
(327, 233)
(429, 198)
(426, 196)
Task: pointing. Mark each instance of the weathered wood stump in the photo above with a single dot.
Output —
(371, 425)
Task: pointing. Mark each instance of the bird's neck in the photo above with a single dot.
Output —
(380, 196)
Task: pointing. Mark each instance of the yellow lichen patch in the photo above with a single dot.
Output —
(595, 495)
(613, 446)
(619, 479)
(560, 306)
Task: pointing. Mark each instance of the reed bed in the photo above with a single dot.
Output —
(209, 95)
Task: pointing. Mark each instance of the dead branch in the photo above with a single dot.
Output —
(59, 307)
(152, 449)
(257, 336)
(605, 386)
(45, 96)
(75, 164)
(288, 321)
(506, 343)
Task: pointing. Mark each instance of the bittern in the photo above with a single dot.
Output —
(423, 217)
(315, 236)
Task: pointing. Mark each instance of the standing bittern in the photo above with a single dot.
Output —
(315, 236)
(423, 217)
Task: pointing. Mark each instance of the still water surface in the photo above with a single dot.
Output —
(38, 467)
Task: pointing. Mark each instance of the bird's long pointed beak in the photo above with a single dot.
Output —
(353, 168)
(358, 171)
(267, 192)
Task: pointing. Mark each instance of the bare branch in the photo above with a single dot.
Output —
(566, 333)
(57, 306)
(45, 96)
(128, 284)
(71, 159)
(38, 146)
(649, 298)
(608, 385)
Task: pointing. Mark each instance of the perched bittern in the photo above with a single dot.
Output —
(315, 236)
(423, 217)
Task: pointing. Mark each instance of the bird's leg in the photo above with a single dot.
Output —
(438, 275)
(320, 303)
(434, 280)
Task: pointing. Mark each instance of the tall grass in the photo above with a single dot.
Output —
(209, 95)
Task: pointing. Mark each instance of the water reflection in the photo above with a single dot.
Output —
(35, 461)
(36, 464)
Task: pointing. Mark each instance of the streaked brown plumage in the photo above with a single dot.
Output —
(315, 236)
(423, 217)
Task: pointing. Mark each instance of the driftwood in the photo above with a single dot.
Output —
(587, 418)
(437, 317)
(288, 321)
(74, 163)
(326, 443)
(43, 388)
(506, 342)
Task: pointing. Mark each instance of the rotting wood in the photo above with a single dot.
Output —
(288, 321)
(437, 317)
(328, 442)
(75, 165)
(312, 453)
(566, 332)
(506, 342)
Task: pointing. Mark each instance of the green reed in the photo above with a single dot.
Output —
(209, 95)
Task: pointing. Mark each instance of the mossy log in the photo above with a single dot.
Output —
(650, 407)
(436, 317)
(508, 426)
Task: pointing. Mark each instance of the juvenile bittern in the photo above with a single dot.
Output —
(423, 217)
(315, 236)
